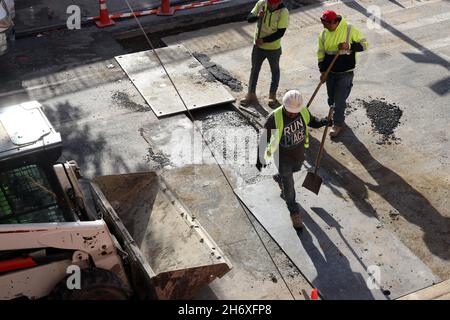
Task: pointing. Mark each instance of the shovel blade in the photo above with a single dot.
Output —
(312, 182)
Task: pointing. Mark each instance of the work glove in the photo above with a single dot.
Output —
(324, 122)
(344, 46)
(261, 13)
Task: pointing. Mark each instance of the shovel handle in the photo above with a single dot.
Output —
(260, 20)
(322, 143)
(320, 83)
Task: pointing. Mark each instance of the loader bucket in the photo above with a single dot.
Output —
(171, 256)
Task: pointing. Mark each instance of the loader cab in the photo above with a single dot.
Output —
(30, 191)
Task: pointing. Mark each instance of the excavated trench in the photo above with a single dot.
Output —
(231, 136)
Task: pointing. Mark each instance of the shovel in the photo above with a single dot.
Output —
(313, 181)
(320, 84)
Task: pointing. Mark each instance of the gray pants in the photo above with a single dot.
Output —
(339, 86)
(258, 57)
(285, 179)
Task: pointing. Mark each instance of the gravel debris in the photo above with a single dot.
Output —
(219, 126)
(384, 116)
(158, 158)
(123, 99)
(273, 278)
(394, 215)
(218, 73)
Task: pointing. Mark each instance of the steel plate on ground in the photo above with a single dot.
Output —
(345, 253)
(197, 88)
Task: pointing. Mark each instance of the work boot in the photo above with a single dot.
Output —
(335, 131)
(273, 102)
(297, 221)
(249, 99)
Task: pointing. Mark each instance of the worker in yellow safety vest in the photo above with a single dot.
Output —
(285, 138)
(338, 37)
(273, 20)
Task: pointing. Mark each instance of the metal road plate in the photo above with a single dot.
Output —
(190, 77)
(339, 245)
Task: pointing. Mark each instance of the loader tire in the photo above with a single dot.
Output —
(96, 284)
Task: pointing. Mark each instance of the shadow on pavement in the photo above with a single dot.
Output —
(335, 278)
(409, 202)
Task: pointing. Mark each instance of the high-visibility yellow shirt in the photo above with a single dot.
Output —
(272, 21)
(329, 41)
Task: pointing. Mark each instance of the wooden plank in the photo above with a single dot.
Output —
(440, 291)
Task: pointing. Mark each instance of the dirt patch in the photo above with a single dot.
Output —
(273, 278)
(349, 109)
(123, 99)
(158, 158)
(384, 116)
(218, 73)
(207, 75)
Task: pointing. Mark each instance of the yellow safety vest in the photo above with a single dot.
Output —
(272, 21)
(329, 40)
(275, 139)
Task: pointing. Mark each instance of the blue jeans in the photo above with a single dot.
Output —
(339, 86)
(258, 57)
(285, 179)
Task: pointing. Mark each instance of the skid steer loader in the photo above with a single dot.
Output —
(63, 236)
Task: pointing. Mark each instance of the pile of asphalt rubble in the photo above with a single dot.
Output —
(218, 73)
(122, 99)
(384, 116)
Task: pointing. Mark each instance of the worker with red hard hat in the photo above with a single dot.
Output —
(338, 37)
(273, 20)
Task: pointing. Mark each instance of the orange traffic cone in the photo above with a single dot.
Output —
(165, 9)
(105, 20)
(314, 294)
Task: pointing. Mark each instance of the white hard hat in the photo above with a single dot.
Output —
(293, 101)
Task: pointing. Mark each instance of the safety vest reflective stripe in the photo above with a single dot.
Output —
(275, 139)
(349, 29)
(333, 52)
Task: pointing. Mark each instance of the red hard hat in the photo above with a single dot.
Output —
(329, 16)
(272, 2)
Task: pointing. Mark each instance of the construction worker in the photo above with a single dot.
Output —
(273, 19)
(286, 140)
(338, 37)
